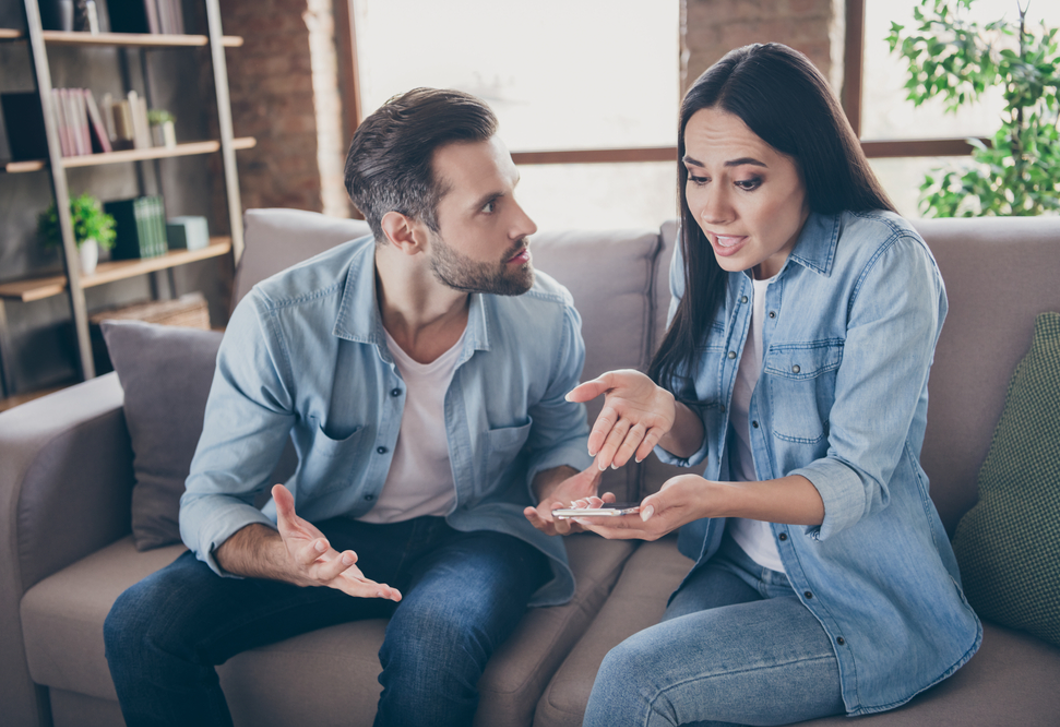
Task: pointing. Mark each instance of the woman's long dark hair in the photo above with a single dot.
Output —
(786, 101)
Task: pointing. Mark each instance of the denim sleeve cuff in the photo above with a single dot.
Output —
(690, 461)
(573, 455)
(220, 519)
(843, 494)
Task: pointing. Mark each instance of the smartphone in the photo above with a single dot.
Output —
(608, 509)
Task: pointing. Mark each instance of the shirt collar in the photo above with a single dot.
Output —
(817, 242)
(359, 320)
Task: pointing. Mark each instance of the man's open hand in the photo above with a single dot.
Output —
(311, 561)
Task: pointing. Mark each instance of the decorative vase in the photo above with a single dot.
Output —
(88, 251)
(164, 134)
(57, 14)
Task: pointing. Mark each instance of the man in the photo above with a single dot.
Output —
(421, 376)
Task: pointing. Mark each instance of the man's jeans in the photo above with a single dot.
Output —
(463, 594)
(736, 647)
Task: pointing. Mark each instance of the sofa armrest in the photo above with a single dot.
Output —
(65, 490)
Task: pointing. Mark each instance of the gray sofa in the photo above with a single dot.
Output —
(67, 474)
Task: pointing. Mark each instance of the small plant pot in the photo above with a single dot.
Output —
(164, 134)
(88, 254)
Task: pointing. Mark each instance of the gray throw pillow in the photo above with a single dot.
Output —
(166, 373)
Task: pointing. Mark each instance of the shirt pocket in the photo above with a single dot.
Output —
(331, 463)
(504, 445)
(802, 388)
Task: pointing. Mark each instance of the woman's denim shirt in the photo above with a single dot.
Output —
(305, 356)
(851, 324)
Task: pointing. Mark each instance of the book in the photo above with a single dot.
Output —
(24, 121)
(129, 16)
(100, 136)
(136, 224)
(141, 129)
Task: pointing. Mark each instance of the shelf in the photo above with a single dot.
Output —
(109, 272)
(131, 155)
(140, 40)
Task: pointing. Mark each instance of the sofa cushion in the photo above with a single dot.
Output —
(165, 372)
(1000, 272)
(333, 670)
(276, 239)
(638, 601)
(1008, 544)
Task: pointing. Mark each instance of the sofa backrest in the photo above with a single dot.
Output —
(999, 274)
(276, 239)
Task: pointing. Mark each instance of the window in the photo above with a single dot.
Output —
(571, 81)
(905, 142)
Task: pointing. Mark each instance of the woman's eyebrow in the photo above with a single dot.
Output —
(731, 163)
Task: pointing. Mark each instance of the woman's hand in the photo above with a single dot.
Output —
(635, 416)
(681, 500)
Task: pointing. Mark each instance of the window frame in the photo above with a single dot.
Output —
(850, 97)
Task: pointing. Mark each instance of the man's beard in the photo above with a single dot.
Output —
(459, 272)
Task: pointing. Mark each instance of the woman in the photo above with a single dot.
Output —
(804, 320)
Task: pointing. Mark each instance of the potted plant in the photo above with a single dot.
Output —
(93, 229)
(951, 57)
(163, 132)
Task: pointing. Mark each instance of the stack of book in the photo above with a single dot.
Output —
(79, 122)
(126, 121)
(140, 227)
(146, 16)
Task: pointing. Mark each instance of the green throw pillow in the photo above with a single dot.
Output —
(1008, 545)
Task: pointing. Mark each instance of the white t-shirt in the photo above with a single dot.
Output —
(754, 536)
(420, 481)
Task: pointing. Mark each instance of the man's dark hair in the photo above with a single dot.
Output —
(388, 167)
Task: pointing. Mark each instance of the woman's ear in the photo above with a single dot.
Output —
(402, 232)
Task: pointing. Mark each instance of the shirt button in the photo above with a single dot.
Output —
(743, 299)
(722, 408)
(395, 392)
(754, 424)
(381, 450)
(795, 369)
(772, 314)
(808, 594)
(783, 536)
(369, 497)
(840, 641)
(732, 354)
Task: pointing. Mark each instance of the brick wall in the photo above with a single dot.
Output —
(711, 28)
(284, 92)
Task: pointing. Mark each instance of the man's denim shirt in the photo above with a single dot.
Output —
(305, 356)
(849, 336)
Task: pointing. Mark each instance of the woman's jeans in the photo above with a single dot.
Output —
(463, 594)
(736, 647)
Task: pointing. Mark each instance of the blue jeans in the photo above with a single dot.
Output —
(464, 593)
(736, 647)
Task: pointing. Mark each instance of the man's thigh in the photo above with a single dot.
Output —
(187, 608)
(477, 584)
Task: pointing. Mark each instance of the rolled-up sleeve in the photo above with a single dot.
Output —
(560, 431)
(895, 318)
(247, 422)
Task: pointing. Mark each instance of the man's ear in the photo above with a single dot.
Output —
(403, 232)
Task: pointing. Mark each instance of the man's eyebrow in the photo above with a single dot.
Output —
(731, 163)
(486, 199)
